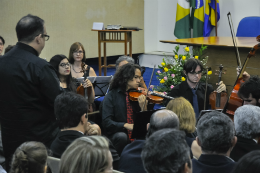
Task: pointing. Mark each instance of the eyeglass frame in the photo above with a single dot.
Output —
(63, 65)
(78, 52)
(44, 35)
(195, 73)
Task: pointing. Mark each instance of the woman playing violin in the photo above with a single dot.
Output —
(117, 109)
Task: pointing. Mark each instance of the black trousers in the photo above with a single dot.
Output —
(119, 140)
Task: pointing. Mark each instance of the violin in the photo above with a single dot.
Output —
(151, 97)
(81, 90)
(218, 100)
(234, 101)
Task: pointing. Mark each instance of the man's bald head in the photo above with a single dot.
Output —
(161, 120)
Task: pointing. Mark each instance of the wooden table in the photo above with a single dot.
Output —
(112, 36)
(221, 51)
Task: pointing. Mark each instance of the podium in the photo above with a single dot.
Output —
(112, 36)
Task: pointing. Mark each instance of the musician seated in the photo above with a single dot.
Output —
(63, 70)
(118, 110)
(184, 110)
(122, 60)
(130, 160)
(192, 89)
(166, 151)
(71, 114)
(249, 91)
(216, 136)
(246, 120)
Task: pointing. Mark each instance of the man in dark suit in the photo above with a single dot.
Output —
(28, 88)
(130, 160)
(166, 151)
(246, 120)
(216, 136)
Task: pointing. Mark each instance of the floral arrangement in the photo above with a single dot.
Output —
(170, 71)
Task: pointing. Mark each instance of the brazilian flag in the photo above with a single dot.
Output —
(210, 11)
(182, 25)
(197, 17)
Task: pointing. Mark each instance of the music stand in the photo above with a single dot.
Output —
(100, 84)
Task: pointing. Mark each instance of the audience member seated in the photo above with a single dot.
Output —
(8, 48)
(249, 163)
(216, 136)
(247, 125)
(30, 157)
(122, 60)
(166, 151)
(186, 115)
(71, 113)
(117, 108)
(130, 160)
(88, 155)
(2, 43)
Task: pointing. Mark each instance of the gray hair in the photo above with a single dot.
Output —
(85, 154)
(215, 132)
(124, 58)
(247, 121)
(162, 119)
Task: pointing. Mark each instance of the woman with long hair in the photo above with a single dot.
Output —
(76, 58)
(63, 69)
(87, 155)
(185, 112)
(30, 157)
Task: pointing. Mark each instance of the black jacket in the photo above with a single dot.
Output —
(28, 88)
(242, 147)
(184, 90)
(211, 163)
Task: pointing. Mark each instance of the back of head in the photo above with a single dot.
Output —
(69, 108)
(75, 47)
(251, 86)
(185, 112)
(85, 154)
(248, 163)
(191, 64)
(246, 120)
(124, 58)
(29, 27)
(215, 132)
(30, 157)
(166, 151)
(123, 75)
(162, 119)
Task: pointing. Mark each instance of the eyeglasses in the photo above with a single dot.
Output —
(47, 37)
(65, 64)
(194, 73)
(79, 52)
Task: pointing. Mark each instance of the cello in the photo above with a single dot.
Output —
(234, 101)
(218, 100)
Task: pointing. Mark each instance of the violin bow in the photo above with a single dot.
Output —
(148, 88)
(234, 39)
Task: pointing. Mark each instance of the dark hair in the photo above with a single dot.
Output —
(215, 132)
(55, 62)
(29, 27)
(30, 157)
(8, 48)
(251, 86)
(191, 65)
(69, 108)
(162, 119)
(123, 75)
(75, 47)
(248, 163)
(166, 151)
(3, 40)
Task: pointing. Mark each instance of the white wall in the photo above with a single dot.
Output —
(161, 27)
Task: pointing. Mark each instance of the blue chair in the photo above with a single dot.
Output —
(249, 27)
